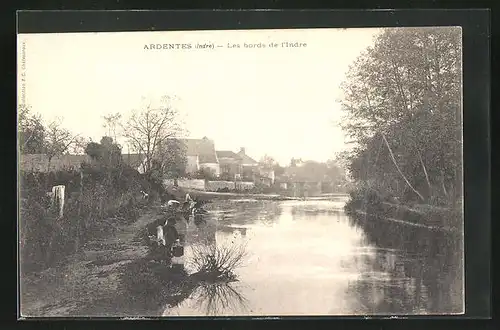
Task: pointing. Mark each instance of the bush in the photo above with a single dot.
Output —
(215, 263)
(205, 174)
(108, 197)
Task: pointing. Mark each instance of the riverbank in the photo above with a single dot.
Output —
(208, 195)
(434, 235)
(117, 276)
(90, 282)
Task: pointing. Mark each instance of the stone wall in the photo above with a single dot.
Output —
(216, 185)
(197, 184)
(200, 184)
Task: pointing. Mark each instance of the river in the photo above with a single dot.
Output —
(308, 258)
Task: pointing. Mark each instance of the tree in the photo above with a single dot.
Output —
(112, 124)
(402, 101)
(58, 140)
(149, 128)
(278, 169)
(335, 171)
(173, 158)
(267, 162)
(79, 145)
(31, 131)
(107, 152)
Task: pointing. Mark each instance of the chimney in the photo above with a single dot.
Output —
(242, 150)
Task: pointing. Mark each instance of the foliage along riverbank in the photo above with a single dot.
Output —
(402, 101)
(116, 275)
(430, 239)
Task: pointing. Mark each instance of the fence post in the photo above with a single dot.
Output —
(79, 217)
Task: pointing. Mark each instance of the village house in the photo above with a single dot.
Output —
(240, 166)
(230, 164)
(249, 166)
(266, 176)
(200, 154)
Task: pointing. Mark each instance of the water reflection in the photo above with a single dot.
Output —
(432, 258)
(310, 258)
(244, 212)
(212, 299)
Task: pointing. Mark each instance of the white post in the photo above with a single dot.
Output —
(58, 198)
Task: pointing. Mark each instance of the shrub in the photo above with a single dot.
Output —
(108, 196)
(218, 262)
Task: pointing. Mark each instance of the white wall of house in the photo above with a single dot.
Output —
(268, 174)
(192, 164)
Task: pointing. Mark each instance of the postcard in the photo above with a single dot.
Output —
(300, 172)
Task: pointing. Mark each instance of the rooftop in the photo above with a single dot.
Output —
(203, 148)
(227, 154)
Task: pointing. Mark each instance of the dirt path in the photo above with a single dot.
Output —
(89, 277)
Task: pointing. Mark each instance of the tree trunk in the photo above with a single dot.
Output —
(399, 170)
(425, 172)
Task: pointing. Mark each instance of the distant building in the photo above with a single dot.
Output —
(308, 178)
(249, 166)
(201, 154)
(40, 162)
(266, 176)
(230, 164)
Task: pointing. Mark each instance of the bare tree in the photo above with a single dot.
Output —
(267, 161)
(58, 140)
(79, 144)
(112, 124)
(149, 128)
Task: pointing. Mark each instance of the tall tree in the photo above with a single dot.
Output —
(150, 127)
(402, 101)
(31, 131)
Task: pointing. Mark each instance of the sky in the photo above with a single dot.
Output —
(279, 101)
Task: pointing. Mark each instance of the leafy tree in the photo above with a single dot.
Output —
(107, 152)
(402, 101)
(171, 160)
(31, 131)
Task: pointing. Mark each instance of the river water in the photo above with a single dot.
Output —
(307, 258)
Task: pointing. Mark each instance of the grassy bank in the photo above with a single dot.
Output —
(117, 275)
(96, 202)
